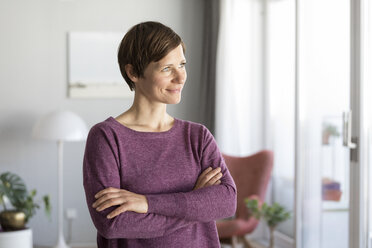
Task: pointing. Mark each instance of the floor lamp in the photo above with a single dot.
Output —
(60, 126)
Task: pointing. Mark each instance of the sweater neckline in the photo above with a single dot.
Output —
(145, 133)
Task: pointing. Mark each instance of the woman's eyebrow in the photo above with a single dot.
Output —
(170, 64)
(164, 65)
(159, 65)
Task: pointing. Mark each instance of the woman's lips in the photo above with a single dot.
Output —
(175, 91)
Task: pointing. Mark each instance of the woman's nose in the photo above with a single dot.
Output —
(180, 76)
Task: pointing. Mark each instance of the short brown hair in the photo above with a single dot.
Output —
(144, 43)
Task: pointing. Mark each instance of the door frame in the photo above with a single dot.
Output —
(358, 221)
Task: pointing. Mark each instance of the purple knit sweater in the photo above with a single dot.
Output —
(163, 166)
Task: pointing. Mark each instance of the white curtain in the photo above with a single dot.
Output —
(239, 90)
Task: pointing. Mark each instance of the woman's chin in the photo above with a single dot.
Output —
(174, 101)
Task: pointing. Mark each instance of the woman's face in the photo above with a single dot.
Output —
(163, 80)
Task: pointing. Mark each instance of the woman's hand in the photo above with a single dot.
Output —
(126, 200)
(209, 177)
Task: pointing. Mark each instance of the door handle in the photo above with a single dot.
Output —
(346, 130)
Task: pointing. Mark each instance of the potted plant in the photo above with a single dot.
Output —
(13, 189)
(273, 215)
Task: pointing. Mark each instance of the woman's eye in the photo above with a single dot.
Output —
(182, 65)
(166, 69)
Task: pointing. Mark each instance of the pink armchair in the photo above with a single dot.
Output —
(251, 175)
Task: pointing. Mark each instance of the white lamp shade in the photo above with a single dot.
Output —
(60, 125)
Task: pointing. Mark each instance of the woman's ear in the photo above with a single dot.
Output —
(130, 72)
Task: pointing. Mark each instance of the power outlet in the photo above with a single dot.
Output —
(71, 213)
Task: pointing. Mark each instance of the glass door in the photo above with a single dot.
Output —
(324, 122)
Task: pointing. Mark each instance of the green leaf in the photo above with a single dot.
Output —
(13, 187)
(33, 193)
(48, 208)
(273, 215)
(253, 208)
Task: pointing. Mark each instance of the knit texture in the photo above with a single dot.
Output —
(163, 166)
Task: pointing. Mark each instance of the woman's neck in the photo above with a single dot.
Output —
(152, 117)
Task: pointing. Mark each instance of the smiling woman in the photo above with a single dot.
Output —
(152, 180)
(168, 75)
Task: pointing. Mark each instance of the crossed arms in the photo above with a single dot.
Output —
(118, 213)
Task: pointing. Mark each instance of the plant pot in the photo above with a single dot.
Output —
(16, 239)
(12, 220)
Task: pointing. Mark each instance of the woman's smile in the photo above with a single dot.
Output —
(175, 91)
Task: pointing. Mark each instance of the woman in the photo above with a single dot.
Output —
(152, 180)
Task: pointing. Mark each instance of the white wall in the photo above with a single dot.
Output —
(33, 82)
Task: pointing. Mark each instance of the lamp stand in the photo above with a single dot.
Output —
(61, 240)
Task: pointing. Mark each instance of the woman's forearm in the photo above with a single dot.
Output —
(205, 204)
(130, 224)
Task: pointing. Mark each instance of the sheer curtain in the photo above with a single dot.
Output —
(240, 105)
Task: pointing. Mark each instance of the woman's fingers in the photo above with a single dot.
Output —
(105, 191)
(127, 201)
(200, 178)
(136, 203)
(208, 177)
(104, 198)
(110, 203)
(204, 173)
(214, 179)
(117, 211)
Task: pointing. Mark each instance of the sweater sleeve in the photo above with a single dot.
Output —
(205, 204)
(100, 171)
